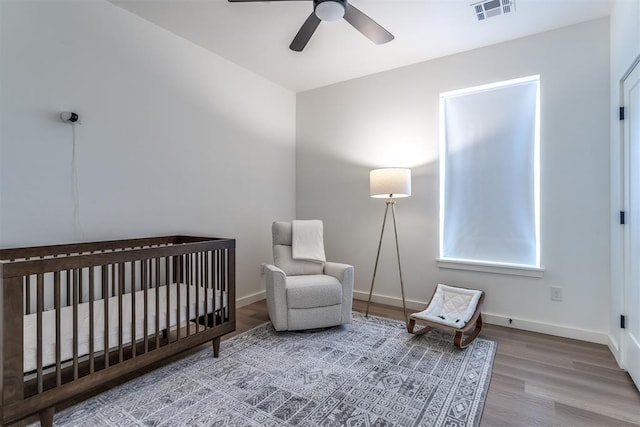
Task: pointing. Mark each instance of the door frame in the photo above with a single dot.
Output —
(624, 193)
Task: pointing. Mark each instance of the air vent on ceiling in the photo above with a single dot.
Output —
(489, 9)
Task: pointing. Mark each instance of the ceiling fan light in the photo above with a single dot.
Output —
(330, 10)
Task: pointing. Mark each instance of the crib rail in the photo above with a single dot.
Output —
(97, 311)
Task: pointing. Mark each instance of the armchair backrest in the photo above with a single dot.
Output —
(282, 255)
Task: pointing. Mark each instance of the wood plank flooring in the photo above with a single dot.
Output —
(538, 380)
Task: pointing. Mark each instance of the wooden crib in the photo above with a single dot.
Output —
(76, 316)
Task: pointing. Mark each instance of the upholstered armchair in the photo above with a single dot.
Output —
(304, 294)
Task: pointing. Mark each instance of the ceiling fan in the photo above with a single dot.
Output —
(332, 10)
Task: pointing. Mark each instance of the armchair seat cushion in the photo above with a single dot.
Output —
(313, 290)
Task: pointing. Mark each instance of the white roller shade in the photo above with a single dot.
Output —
(489, 202)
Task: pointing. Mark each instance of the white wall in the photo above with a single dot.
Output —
(625, 48)
(391, 119)
(174, 139)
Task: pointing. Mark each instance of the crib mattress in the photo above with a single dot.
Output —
(196, 296)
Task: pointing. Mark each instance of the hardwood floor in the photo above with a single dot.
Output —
(538, 380)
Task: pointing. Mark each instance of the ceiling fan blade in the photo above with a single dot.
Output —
(304, 34)
(367, 26)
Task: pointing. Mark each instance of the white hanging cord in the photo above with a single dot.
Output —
(75, 192)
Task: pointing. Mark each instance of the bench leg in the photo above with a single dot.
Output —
(46, 417)
(216, 346)
(459, 342)
(411, 326)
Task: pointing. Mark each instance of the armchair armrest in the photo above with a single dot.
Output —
(276, 289)
(339, 271)
(344, 273)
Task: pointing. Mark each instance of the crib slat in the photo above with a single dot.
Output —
(68, 287)
(145, 286)
(157, 283)
(225, 273)
(167, 278)
(114, 290)
(39, 310)
(203, 281)
(188, 285)
(56, 305)
(105, 299)
(220, 285)
(92, 298)
(214, 284)
(206, 289)
(231, 280)
(120, 310)
(80, 298)
(223, 283)
(179, 271)
(222, 266)
(27, 308)
(133, 309)
(213, 279)
(197, 287)
(194, 284)
(75, 280)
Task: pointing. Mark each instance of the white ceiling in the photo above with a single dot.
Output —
(257, 35)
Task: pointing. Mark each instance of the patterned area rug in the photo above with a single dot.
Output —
(369, 373)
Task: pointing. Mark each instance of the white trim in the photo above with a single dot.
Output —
(490, 267)
(489, 86)
(614, 348)
(547, 328)
(536, 169)
(443, 173)
(250, 299)
(496, 319)
(389, 300)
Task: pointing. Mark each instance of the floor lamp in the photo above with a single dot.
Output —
(390, 184)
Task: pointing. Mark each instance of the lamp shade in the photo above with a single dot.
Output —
(390, 183)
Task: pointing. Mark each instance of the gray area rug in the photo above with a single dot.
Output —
(369, 373)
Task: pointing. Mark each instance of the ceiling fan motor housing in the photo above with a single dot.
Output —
(329, 10)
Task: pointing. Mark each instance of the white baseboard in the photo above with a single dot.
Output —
(614, 348)
(250, 299)
(394, 301)
(497, 319)
(547, 328)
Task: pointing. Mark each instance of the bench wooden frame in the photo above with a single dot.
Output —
(471, 329)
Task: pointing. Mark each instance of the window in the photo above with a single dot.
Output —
(489, 175)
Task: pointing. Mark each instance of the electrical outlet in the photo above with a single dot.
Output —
(556, 293)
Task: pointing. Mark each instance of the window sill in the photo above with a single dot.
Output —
(516, 270)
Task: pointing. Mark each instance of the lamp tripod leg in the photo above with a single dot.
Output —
(395, 229)
(375, 268)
